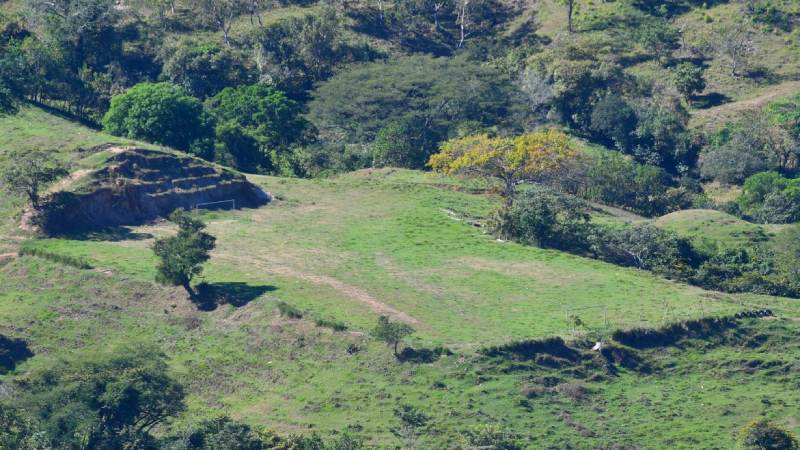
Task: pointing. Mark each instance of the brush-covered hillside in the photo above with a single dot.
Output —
(415, 224)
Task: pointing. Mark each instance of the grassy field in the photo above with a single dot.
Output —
(400, 243)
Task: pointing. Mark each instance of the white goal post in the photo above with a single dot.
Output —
(207, 204)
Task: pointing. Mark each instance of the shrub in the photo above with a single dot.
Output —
(67, 260)
(768, 197)
(204, 68)
(762, 435)
(546, 218)
(647, 247)
(334, 325)
(289, 311)
(395, 145)
(161, 113)
(689, 79)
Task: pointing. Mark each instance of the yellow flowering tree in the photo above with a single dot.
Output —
(509, 161)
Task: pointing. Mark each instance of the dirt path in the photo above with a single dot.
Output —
(8, 255)
(728, 109)
(349, 291)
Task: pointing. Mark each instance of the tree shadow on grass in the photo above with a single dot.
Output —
(709, 100)
(422, 355)
(110, 234)
(12, 352)
(211, 295)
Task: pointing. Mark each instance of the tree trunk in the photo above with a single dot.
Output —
(570, 5)
(187, 285)
(396, 355)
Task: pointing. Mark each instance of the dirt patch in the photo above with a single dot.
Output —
(719, 114)
(349, 291)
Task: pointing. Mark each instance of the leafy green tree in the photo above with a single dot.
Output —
(7, 103)
(436, 95)
(613, 121)
(235, 147)
(161, 113)
(181, 257)
(297, 52)
(762, 435)
(27, 173)
(103, 401)
(224, 433)
(392, 333)
(395, 146)
(204, 68)
(20, 431)
(267, 114)
(689, 79)
(546, 218)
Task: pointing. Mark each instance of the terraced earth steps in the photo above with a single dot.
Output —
(136, 186)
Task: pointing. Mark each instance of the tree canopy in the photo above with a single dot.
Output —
(181, 256)
(510, 161)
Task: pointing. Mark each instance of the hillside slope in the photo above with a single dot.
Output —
(400, 243)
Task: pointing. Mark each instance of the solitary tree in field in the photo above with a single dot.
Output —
(27, 173)
(392, 333)
(510, 161)
(689, 79)
(182, 256)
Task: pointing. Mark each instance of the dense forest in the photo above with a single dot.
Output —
(559, 109)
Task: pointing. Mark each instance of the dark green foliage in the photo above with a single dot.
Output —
(614, 179)
(7, 102)
(334, 325)
(289, 311)
(20, 431)
(297, 52)
(181, 256)
(67, 260)
(662, 135)
(647, 247)
(27, 174)
(392, 333)
(768, 197)
(689, 79)
(762, 435)
(746, 270)
(546, 218)
(204, 68)
(267, 118)
(435, 97)
(395, 145)
(223, 433)
(103, 401)
(235, 147)
(161, 113)
(614, 122)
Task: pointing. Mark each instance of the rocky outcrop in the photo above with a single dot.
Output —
(138, 186)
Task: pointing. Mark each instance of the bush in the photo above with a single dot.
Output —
(289, 311)
(395, 146)
(204, 68)
(689, 79)
(546, 218)
(67, 260)
(768, 197)
(647, 247)
(164, 114)
(762, 435)
(334, 325)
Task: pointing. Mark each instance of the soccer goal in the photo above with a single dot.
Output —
(230, 204)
